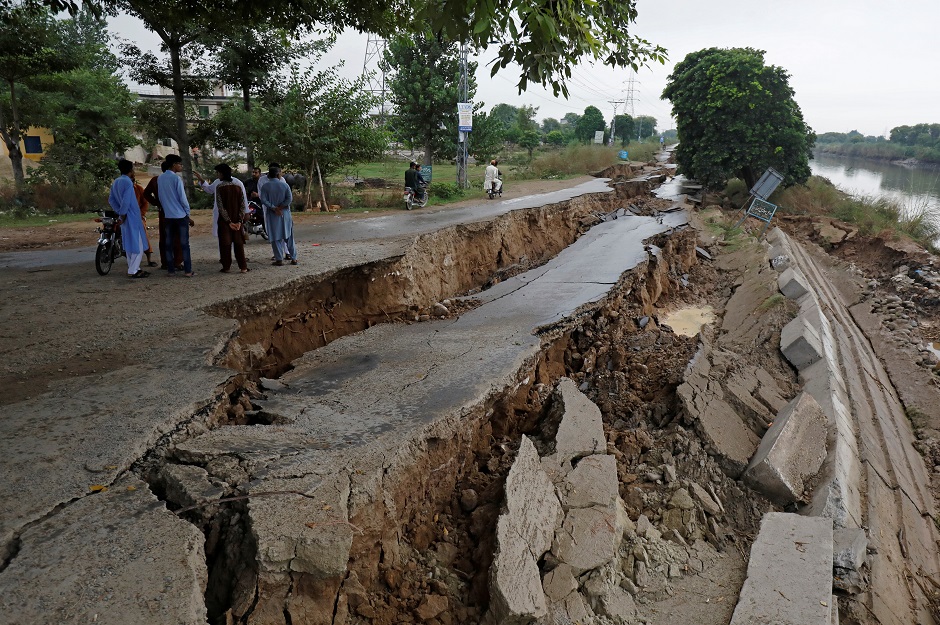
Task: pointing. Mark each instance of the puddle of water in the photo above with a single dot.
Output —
(689, 321)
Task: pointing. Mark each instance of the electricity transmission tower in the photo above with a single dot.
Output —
(613, 122)
(373, 73)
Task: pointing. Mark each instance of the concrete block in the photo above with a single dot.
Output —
(523, 534)
(791, 452)
(789, 575)
(580, 430)
(800, 343)
(849, 559)
(589, 537)
(792, 283)
(837, 495)
(593, 482)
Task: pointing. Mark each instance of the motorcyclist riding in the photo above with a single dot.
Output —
(491, 182)
(414, 180)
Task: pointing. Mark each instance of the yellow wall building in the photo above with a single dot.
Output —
(33, 145)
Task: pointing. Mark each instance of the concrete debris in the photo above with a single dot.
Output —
(589, 537)
(187, 486)
(580, 429)
(272, 385)
(592, 483)
(523, 534)
(704, 499)
(789, 572)
(850, 560)
(431, 606)
(791, 452)
(702, 253)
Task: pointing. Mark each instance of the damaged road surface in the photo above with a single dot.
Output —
(75, 515)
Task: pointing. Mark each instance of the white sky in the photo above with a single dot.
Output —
(854, 64)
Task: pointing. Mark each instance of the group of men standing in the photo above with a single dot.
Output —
(230, 207)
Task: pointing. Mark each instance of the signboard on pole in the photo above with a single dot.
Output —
(598, 136)
(426, 173)
(465, 116)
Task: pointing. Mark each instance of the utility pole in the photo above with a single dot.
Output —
(372, 71)
(613, 122)
(463, 138)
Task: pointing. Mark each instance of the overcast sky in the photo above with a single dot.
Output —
(854, 64)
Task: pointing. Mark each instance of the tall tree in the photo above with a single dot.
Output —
(736, 117)
(549, 124)
(487, 137)
(249, 56)
(318, 124)
(28, 49)
(623, 128)
(525, 118)
(645, 126)
(589, 123)
(570, 119)
(505, 113)
(424, 90)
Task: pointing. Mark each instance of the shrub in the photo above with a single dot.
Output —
(445, 190)
(573, 160)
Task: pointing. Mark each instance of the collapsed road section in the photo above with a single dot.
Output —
(570, 412)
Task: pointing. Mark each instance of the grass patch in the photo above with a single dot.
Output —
(35, 220)
(774, 300)
(872, 215)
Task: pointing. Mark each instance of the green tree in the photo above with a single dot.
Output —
(550, 124)
(505, 113)
(736, 117)
(487, 137)
(589, 123)
(645, 126)
(318, 124)
(28, 49)
(530, 140)
(248, 56)
(525, 118)
(88, 109)
(555, 137)
(570, 119)
(624, 129)
(424, 89)
(543, 39)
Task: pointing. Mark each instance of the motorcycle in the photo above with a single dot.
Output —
(110, 245)
(495, 189)
(254, 220)
(412, 199)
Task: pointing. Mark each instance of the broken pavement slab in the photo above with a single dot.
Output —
(116, 558)
(789, 575)
(800, 343)
(580, 426)
(791, 451)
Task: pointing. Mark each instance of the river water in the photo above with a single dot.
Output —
(912, 187)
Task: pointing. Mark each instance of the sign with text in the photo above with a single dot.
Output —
(465, 116)
(426, 173)
(598, 136)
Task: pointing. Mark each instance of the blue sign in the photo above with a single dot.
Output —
(426, 173)
(623, 155)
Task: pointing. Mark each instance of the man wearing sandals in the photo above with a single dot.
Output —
(176, 211)
(228, 209)
(123, 201)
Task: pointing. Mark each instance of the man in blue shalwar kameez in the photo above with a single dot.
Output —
(276, 197)
(123, 201)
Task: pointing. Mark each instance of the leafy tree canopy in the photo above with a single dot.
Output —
(424, 90)
(505, 113)
(736, 117)
(487, 137)
(645, 126)
(623, 128)
(549, 124)
(544, 39)
(589, 123)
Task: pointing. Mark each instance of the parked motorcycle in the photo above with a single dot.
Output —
(110, 245)
(254, 220)
(412, 199)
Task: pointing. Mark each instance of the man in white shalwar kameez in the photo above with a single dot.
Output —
(123, 201)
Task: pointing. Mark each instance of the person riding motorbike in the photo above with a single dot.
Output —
(414, 180)
(491, 181)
